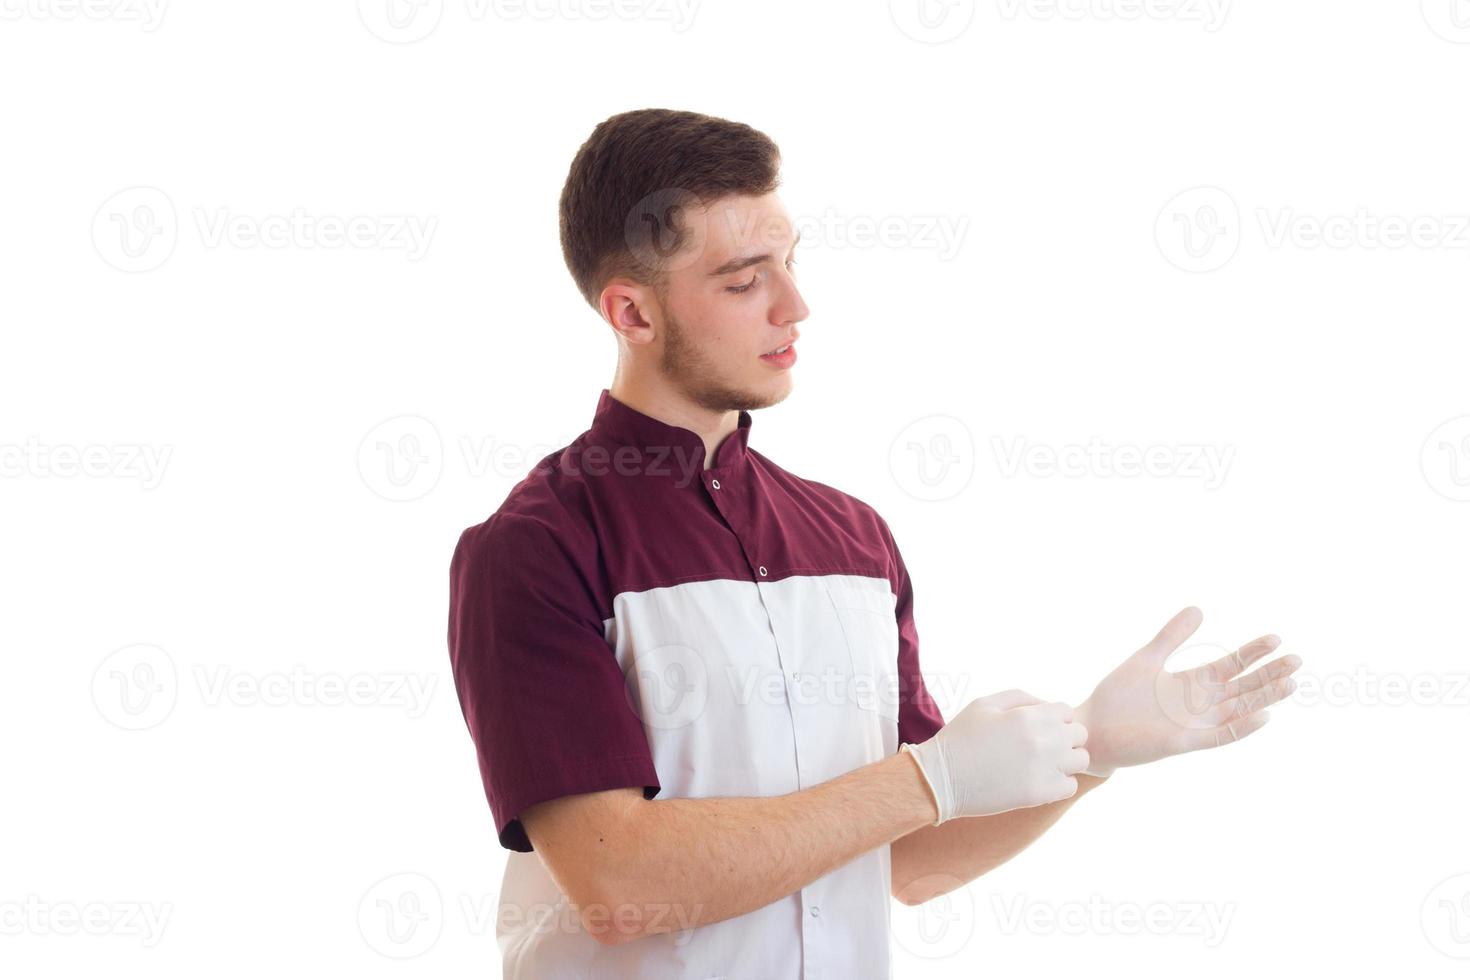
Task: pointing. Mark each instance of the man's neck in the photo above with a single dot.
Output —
(660, 401)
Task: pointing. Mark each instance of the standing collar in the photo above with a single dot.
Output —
(622, 425)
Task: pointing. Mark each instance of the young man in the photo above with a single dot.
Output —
(693, 677)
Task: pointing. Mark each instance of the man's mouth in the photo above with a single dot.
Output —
(778, 350)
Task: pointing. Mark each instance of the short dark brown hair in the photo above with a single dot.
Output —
(629, 182)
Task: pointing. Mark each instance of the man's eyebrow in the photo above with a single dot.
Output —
(735, 265)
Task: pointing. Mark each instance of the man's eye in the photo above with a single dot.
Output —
(742, 288)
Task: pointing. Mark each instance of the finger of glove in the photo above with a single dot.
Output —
(1248, 704)
(1073, 762)
(1006, 700)
(1238, 660)
(1050, 711)
(1061, 788)
(1275, 670)
(1234, 731)
(1175, 632)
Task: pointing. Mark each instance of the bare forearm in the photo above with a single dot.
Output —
(697, 861)
(930, 861)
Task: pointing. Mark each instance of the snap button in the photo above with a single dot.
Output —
(715, 484)
(816, 910)
(763, 569)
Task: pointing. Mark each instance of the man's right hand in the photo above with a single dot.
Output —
(1002, 752)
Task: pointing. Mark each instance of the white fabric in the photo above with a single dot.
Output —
(745, 689)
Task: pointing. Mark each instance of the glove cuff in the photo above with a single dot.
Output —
(917, 753)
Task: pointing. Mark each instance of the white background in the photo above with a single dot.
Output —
(1094, 296)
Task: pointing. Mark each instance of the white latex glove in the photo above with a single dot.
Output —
(1141, 712)
(1002, 752)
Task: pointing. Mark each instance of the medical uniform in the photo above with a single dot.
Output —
(628, 618)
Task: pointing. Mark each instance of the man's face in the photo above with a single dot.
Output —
(729, 299)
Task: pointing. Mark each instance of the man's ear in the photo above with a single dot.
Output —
(630, 309)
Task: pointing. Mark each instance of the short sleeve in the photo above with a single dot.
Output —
(919, 717)
(538, 682)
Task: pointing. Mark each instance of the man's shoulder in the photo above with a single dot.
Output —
(852, 510)
(547, 505)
